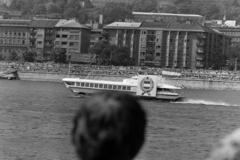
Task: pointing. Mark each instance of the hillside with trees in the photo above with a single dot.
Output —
(121, 11)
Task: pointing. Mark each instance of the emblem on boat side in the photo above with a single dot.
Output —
(146, 85)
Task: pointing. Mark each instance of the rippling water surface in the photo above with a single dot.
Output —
(36, 119)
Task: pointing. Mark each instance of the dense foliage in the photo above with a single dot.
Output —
(121, 11)
(111, 54)
(59, 56)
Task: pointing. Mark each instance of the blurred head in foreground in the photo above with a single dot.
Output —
(229, 148)
(109, 126)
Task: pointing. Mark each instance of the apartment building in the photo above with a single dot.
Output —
(125, 34)
(167, 17)
(72, 36)
(14, 36)
(233, 32)
(150, 48)
(171, 45)
(42, 36)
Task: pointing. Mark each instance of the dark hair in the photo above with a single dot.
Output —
(109, 126)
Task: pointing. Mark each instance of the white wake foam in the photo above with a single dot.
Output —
(205, 102)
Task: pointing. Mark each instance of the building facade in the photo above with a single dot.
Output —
(233, 32)
(167, 17)
(43, 37)
(14, 36)
(125, 35)
(72, 37)
(171, 45)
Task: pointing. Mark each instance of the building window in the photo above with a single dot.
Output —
(64, 43)
(64, 36)
(158, 54)
(143, 46)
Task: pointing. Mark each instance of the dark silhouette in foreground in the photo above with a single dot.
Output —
(109, 126)
(228, 148)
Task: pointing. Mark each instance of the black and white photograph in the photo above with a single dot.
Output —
(119, 79)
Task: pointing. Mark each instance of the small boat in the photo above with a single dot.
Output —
(142, 86)
(9, 74)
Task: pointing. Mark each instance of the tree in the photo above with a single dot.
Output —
(29, 56)
(144, 6)
(120, 56)
(115, 12)
(59, 56)
(233, 54)
(39, 9)
(11, 56)
(70, 13)
(53, 8)
(99, 49)
(83, 17)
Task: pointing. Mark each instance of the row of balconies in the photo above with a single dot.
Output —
(20, 45)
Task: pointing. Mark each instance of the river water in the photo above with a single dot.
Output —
(36, 120)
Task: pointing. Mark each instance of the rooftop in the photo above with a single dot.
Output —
(167, 14)
(124, 25)
(44, 23)
(70, 24)
(188, 27)
(154, 25)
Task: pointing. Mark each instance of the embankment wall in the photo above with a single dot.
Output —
(188, 83)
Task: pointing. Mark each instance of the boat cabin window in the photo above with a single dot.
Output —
(82, 84)
(119, 87)
(91, 84)
(124, 88)
(87, 84)
(100, 86)
(109, 86)
(165, 90)
(114, 87)
(70, 83)
(128, 88)
(78, 84)
(105, 86)
(96, 85)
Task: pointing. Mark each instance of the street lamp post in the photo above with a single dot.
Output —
(235, 64)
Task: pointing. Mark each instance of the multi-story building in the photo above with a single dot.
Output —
(101, 3)
(233, 32)
(72, 36)
(42, 36)
(96, 32)
(125, 35)
(150, 47)
(170, 44)
(14, 36)
(167, 17)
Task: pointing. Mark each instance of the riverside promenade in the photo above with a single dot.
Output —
(197, 79)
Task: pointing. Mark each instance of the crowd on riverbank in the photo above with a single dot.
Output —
(121, 70)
